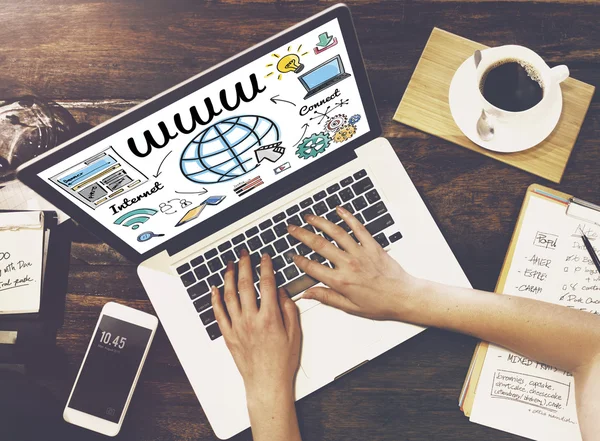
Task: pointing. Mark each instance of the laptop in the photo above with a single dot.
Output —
(323, 76)
(183, 182)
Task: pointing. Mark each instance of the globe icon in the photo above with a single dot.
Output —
(224, 151)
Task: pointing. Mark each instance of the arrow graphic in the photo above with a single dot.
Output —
(204, 190)
(305, 126)
(324, 40)
(271, 152)
(274, 100)
(158, 172)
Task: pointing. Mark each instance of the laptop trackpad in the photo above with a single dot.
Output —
(333, 341)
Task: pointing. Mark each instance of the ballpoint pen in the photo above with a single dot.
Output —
(591, 251)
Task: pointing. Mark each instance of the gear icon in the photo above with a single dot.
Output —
(344, 133)
(354, 119)
(312, 145)
(334, 123)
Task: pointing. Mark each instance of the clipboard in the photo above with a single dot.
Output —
(574, 207)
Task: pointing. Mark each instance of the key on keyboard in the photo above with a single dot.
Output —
(333, 201)
(267, 236)
(224, 246)
(265, 224)
(306, 203)
(362, 186)
(320, 208)
(374, 211)
(201, 272)
(320, 195)
(254, 243)
(183, 268)
(207, 317)
(295, 220)
(280, 229)
(237, 239)
(210, 254)
(281, 245)
(197, 261)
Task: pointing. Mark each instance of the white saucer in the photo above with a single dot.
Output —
(466, 110)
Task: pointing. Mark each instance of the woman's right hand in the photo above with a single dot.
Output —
(366, 281)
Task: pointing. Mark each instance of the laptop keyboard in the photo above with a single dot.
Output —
(356, 193)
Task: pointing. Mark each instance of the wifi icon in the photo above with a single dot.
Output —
(135, 218)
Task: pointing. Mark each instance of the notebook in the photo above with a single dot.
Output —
(23, 245)
(546, 261)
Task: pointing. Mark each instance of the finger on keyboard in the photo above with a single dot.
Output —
(334, 231)
(268, 288)
(360, 231)
(317, 243)
(246, 284)
(232, 301)
(219, 310)
(312, 269)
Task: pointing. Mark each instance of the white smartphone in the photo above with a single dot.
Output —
(110, 369)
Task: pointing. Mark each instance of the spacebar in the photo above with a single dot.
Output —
(299, 285)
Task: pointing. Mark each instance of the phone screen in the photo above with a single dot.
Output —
(110, 368)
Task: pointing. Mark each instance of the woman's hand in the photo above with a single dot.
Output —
(265, 340)
(265, 344)
(366, 281)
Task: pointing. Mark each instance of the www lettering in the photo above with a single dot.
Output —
(165, 136)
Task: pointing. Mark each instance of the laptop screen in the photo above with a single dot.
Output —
(323, 73)
(209, 150)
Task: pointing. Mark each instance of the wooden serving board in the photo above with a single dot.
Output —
(424, 106)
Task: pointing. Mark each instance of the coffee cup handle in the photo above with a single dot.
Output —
(559, 73)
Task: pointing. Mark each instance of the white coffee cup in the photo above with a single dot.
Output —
(493, 118)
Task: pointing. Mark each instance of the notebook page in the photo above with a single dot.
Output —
(550, 263)
(21, 256)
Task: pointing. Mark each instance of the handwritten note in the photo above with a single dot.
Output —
(21, 257)
(550, 263)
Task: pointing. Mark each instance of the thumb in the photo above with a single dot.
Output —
(289, 311)
(330, 297)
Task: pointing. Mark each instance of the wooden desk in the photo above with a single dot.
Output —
(100, 58)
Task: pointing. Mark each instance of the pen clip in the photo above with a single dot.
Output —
(583, 210)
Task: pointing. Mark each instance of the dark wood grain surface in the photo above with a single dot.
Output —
(100, 57)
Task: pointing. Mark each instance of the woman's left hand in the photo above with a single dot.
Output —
(264, 340)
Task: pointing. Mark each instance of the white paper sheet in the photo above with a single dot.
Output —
(14, 195)
(21, 257)
(550, 263)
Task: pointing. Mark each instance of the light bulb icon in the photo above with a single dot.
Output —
(290, 63)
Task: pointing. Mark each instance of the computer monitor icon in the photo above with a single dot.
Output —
(323, 76)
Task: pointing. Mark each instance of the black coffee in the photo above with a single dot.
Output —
(513, 86)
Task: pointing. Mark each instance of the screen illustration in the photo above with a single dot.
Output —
(100, 178)
(225, 150)
(222, 143)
